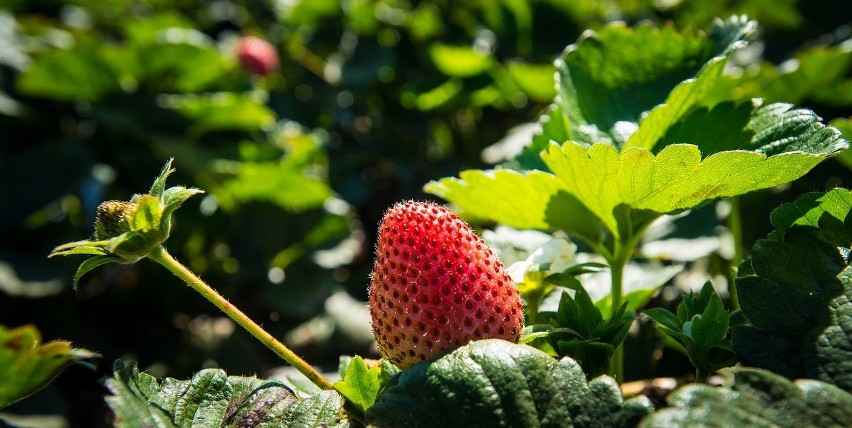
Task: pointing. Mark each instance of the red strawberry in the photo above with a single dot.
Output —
(436, 286)
(257, 56)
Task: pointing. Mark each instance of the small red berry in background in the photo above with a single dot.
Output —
(436, 286)
(257, 56)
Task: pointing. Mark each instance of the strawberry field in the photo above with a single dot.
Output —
(425, 213)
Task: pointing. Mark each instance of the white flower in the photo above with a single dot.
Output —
(553, 257)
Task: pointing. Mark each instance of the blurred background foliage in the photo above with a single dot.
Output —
(373, 99)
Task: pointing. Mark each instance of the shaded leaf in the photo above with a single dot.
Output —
(730, 35)
(796, 291)
(221, 111)
(819, 73)
(27, 365)
(92, 263)
(605, 82)
(213, 399)
(284, 186)
(497, 383)
(756, 398)
(81, 73)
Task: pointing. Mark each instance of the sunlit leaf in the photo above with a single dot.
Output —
(674, 179)
(459, 61)
(531, 200)
(535, 80)
(360, 383)
(691, 92)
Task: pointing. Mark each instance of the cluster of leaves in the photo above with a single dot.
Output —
(701, 327)
(84, 94)
(605, 175)
(579, 329)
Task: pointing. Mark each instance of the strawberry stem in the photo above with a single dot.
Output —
(735, 226)
(161, 256)
(620, 256)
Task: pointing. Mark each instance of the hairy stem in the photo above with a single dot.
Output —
(161, 256)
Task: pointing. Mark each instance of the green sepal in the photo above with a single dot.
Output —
(128, 231)
(92, 263)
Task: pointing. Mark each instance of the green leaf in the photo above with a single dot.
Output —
(701, 328)
(78, 248)
(819, 73)
(808, 210)
(756, 398)
(710, 330)
(844, 125)
(673, 180)
(536, 80)
(159, 184)
(174, 197)
(578, 313)
(221, 111)
(92, 263)
(459, 61)
(665, 318)
(497, 383)
(731, 34)
(81, 73)
(579, 330)
(323, 409)
(287, 187)
(531, 200)
(605, 83)
(27, 366)
(360, 383)
(796, 290)
(540, 331)
(213, 399)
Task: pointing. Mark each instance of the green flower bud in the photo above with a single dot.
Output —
(128, 231)
(112, 219)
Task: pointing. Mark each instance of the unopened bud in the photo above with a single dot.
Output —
(112, 219)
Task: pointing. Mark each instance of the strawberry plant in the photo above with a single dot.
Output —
(525, 300)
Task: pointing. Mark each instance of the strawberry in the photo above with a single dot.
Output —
(257, 56)
(436, 286)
